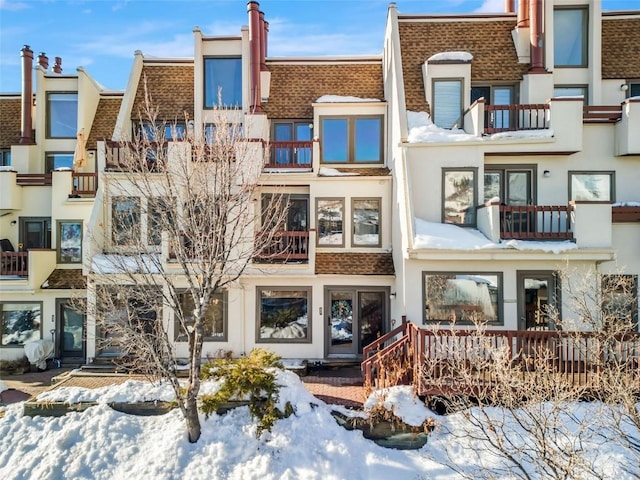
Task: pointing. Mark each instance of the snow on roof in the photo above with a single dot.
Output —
(332, 172)
(451, 56)
(542, 133)
(444, 236)
(344, 99)
(109, 263)
(626, 204)
(423, 130)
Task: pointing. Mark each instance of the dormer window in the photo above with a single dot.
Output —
(570, 37)
(446, 105)
(62, 115)
(351, 139)
(222, 82)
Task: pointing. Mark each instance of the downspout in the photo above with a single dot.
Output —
(255, 54)
(523, 13)
(26, 122)
(536, 37)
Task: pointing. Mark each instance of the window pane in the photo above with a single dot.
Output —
(593, 187)
(518, 184)
(367, 139)
(214, 319)
(283, 314)
(366, 222)
(5, 158)
(62, 111)
(223, 82)
(334, 140)
(70, 242)
(569, 47)
(447, 103)
(59, 160)
(634, 91)
(492, 186)
(570, 92)
(20, 323)
(125, 220)
(502, 96)
(160, 214)
(459, 197)
(330, 222)
(619, 303)
(461, 297)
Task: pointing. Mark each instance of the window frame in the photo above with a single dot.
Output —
(353, 222)
(631, 86)
(341, 201)
(499, 300)
(180, 337)
(632, 278)
(22, 231)
(134, 238)
(165, 203)
(351, 139)
(59, 225)
(48, 122)
(584, 60)
(433, 105)
(308, 290)
(214, 101)
(5, 157)
(40, 327)
(612, 184)
(511, 168)
(473, 206)
(584, 87)
(49, 160)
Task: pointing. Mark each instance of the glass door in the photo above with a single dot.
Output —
(71, 338)
(537, 291)
(341, 323)
(35, 233)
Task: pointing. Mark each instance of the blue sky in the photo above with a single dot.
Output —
(101, 35)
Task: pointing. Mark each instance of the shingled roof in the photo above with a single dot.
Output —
(10, 121)
(65, 279)
(170, 88)
(487, 39)
(354, 264)
(105, 119)
(620, 47)
(295, 86)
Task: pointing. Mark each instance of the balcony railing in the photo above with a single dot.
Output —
(601, 113)
(535, 222)
(84, 184)
(294, 155)
(14, 264)
(286, 246)
(505, 118)
(34, 179)
(625, 214)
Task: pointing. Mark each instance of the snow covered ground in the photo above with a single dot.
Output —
(101, 443)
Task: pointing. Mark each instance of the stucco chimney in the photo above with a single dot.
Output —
(43, 60)
(255, 52)
(57, 66)
(536, 37)
(509, 6)
(26, 121)
(523, 13)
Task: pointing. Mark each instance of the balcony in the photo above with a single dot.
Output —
(507, 118)
(290, 156)
(284, 247)
(14, 264)
(33, 179)
(535, 222)
(84, 184)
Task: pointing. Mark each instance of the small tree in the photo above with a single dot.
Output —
(183, 230)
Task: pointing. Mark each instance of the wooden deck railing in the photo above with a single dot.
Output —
(14, 263)
(504, 118)
(575, 357)
(285, 246)
(625, 214)
(296, 155)
(34, 179)
(535, 222)
(601, 113)
(84, 183)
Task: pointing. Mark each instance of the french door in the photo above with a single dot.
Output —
(70, 325)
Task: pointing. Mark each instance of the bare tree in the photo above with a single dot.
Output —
(183, 218)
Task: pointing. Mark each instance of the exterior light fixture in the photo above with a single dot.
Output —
(546, 173)
(624, 87)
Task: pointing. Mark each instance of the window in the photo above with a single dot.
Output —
(619, 303)
(634, 89)
(283, 314)
(223, 82)
(5, 158)
(330, 219)
(20, 323)
(35, 232)
(571, 91)
(125, 218)
(351, 139)
(513, 185)
(496, 95)
(285, 151)
(446, 106)
(160, 214)
(54, 161)
(459, 196)
(215, 318)
(62, 115)
(214, 135)
(366, 222)
(148, 132)
(592, 186)
(570, 37)
(462, 297)
(69, 241)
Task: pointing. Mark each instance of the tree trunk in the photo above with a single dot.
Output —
(193, 420)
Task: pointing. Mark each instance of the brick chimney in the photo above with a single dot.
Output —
(536, 37)
(255, 49)
(57, 67)
(43, 60)
(26, 121)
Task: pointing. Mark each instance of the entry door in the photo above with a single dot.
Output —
(70, 326)
(355, 318)
(35, 232)
(536, 290)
